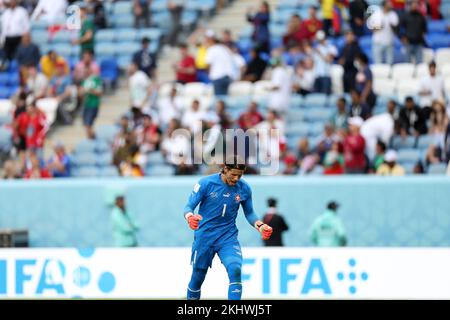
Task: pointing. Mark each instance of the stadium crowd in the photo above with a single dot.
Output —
(326, 127)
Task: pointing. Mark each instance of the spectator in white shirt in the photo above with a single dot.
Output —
(192, 118)
(382, 22)
(37, 83)
(49, 11)
(304, 77)
(281, 85)
(169, 108)
(175, 146)
(140, 88)
(239, 64)
(431, 88)
(324, 54)
(15, 23)
(221, 64)
(270, 137)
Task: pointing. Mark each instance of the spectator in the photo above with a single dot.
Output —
(390, 166)
(357, 11)
(415, 26)
(273, 218)
(27, 54)
(281, 85)
(145, 60)
(327, 7)
(255, 67)
(175, 146)
(123, 146)
(347, 57)
(49, 11)
(10, 171)
(358, 108)
(200, 61)
(99, 12)
(124, 228)
(291, 167)
(304, 77)
(148, 135)
(50, 61)
(380, 151)
(85, 67)
(140, 88)
(251, 117)
(434, 9)
(238, 64)
(439, 122)
(260, 21)
(35, 170)
(312, 24)
(378, 127)
(323, 55)
(327, 138)
(431, 88)
(227, 39)
(412, 119)
(307, 159)
(434, 155)
(91, 89)
(59, 88)
(15, 23)
(364, 81)
(37, 83)
(170, 107)
(384, 23)
(270, 136)
(221, 66)
(141, 10)
(354, 146)
(176, 11)
(132, 165)
(395, 113)
(86, 39)
(59, 164)
(295, 33)
(224, 118)
(333, 161)
(339, 119)
(192, 118)
(185, 68)
(328, 230)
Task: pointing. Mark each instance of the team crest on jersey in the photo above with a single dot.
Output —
(196, 188)
(237, 198)
(213, 194)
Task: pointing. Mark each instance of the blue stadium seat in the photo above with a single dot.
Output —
(408, 155)
(318, 114)
(155, 158)
(4, 79)
(128, 48)
(5, 92)
(102, 146)
(297, 129)
(123, 61)
(295, 115)
(315, 100)
(109, 171)
(39, 37)
(13, 79)
(63, 36)
(104, 159)
(153, 34)
(126, 34)
(160, 170)
(85, 146)
(409, 167)
(437, 26)
(5, 140)
(107, 49)
(84, 159)
(106, 132)
(189, 17)
(438, 168)
(64, 49)
(109, 70)
(399, 142)
(105, 35)
(238, 102)
(6, 119)
(122, 7)
(424, 141)
(87, 172)
(13, 66)
(315, 129)
(123, 21)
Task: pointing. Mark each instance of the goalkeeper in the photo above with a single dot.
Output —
(220, 196)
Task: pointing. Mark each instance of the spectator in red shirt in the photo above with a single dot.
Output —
(32, 125)
(185, 68)
(35, 170)
(354, 146)
(251, 117)
(148, 135)
(296, 32)
(312, 24)
(434, 9)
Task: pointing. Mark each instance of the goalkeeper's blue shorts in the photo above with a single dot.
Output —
(203, 255)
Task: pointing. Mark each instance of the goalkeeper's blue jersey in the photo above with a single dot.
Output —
(219, 205)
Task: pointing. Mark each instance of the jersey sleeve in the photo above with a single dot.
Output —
(247, 205)
(196, 196)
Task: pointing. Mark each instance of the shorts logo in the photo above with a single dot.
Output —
(213, 195)
(226, 195)
(237, 198)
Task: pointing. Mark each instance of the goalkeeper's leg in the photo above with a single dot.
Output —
(234, 275)
(197, 278)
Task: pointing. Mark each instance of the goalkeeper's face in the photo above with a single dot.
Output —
(232, 176)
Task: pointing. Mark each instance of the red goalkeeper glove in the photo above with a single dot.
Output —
(193, 220)
(266, 231)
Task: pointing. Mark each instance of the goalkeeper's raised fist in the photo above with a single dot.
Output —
(265, 230)
(193, 220)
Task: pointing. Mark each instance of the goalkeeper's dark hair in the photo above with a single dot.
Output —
(235, 162)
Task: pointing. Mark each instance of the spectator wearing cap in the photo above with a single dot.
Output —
(144, 59)
(49, 64)
(412, 119)
(328, 230)
(59, 164)
(141, 10)
(27, 54)
(260, 21)
(124, 227)
(273, 218)
(185, 68)
(354, 147)
(347, 57)
(415, 29)
(323, 54)
(281, 85)
(221, 64)
(383, 23)
(14, 24)
(87, 30)
(390, 166)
